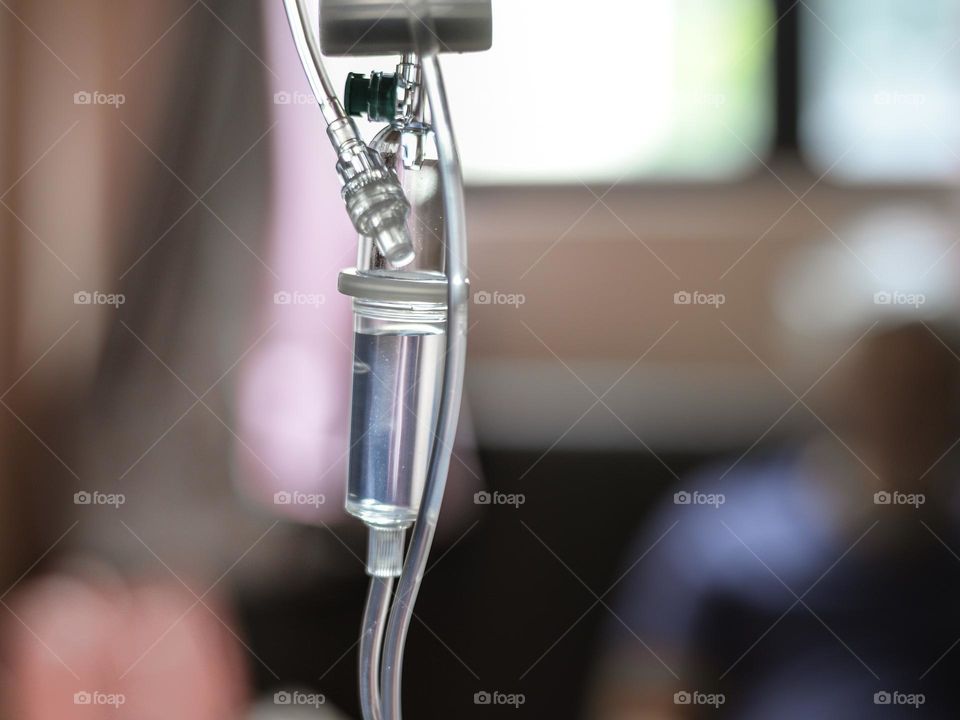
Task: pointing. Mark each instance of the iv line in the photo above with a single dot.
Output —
(373, 196)
(451, 180)
(330, 105)
(371, 642)
(378, 208)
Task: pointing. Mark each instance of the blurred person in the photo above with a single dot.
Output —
(819, 579)
(93, 645)
(125, 623)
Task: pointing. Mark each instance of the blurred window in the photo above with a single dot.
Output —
(607, 90)
(880, 92)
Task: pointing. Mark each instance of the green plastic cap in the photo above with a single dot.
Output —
(375, 97)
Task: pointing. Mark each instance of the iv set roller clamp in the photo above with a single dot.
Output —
(404, 193)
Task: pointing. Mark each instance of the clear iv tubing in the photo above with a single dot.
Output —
(371, 641)
(312, 60)
(451, 180)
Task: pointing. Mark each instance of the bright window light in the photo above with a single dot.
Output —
(881, 97)
(611, 90)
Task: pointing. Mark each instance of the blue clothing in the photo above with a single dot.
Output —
(715, 595)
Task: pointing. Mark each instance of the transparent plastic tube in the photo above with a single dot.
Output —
(373, 196)
(312, 60)
(371, 641)
(398, 360)
(451, 395)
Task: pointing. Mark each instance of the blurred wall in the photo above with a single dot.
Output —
(598, 271)
(8, 289)
(67, 179)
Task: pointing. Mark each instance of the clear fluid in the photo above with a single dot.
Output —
(395, 395)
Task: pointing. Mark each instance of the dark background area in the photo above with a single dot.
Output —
(498, 598)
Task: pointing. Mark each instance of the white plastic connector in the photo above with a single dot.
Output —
(385, 551)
